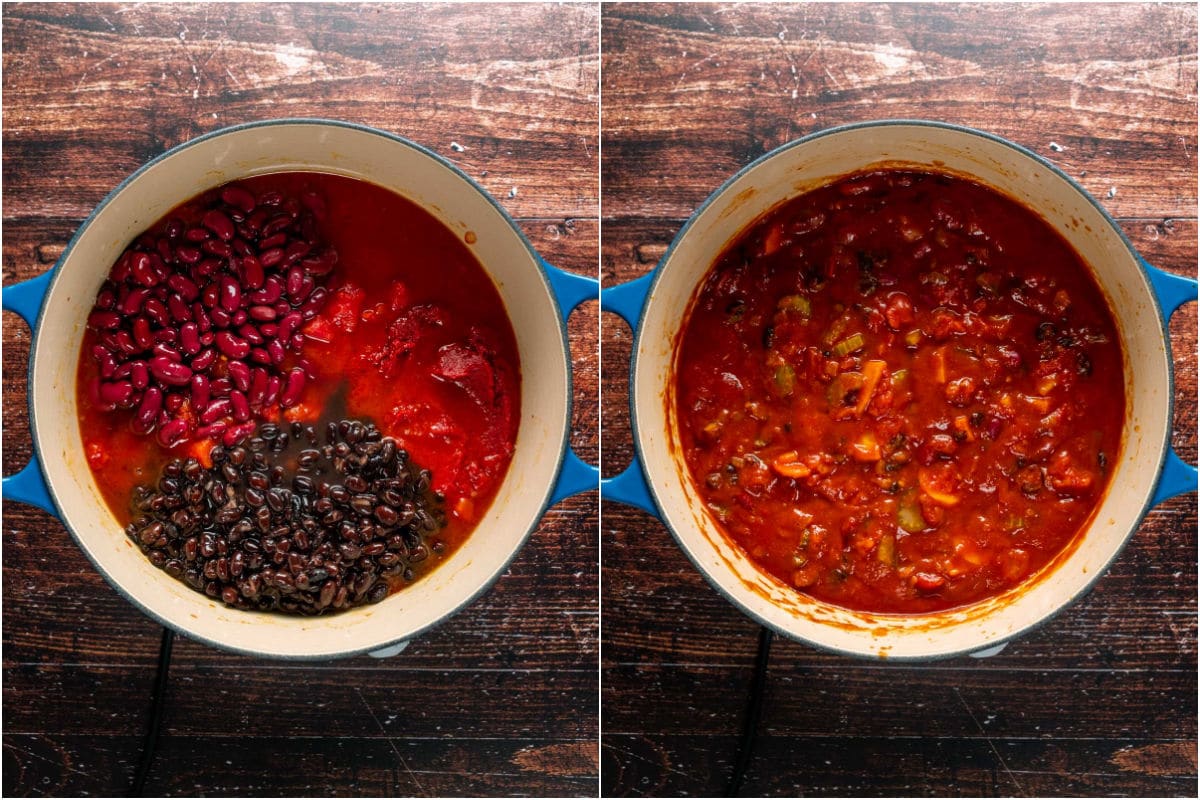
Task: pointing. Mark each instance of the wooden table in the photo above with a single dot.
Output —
(500, 700)
(1100, 701)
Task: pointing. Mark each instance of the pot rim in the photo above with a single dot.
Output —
(563, 435)
(713, 198)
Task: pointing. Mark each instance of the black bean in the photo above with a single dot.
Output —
(312, 559)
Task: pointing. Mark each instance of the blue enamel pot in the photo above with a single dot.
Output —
(1141, 297)
(538, 297)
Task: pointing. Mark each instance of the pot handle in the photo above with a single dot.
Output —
(1172, 291)
(28, 485)
(630, 487)
(569, 291)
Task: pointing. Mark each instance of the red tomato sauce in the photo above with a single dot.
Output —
(414, 337)
(901, 392)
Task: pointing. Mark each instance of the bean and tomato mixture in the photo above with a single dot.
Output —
(307, 349)
(901, 392)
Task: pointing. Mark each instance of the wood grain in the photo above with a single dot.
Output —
(1099, 701)
(501, 699)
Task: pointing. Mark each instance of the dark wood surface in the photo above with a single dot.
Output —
(503, 698)
(1100, 701)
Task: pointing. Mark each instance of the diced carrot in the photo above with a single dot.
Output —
(938, 486)
(866, 448)
(939, 365)
(201, 450)
(872, 373)
(963, 425)
(789, 466)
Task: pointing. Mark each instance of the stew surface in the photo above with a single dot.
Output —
(900, 393)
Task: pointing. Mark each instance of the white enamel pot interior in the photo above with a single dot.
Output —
(815, 161)
(408, 170)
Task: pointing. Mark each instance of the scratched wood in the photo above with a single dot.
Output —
(501, 699)
(1099, 701)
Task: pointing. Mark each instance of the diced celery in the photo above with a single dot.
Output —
(785, 379)
(797, 303)
(908, 513)
(851, 344)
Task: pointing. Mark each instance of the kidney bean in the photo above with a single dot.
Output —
(289, 323)
(141, 270)
(170, 372)
(206, 268)
(124, 344)
(165, 350)
(183, 286)
(197, 234)
(295, 279)
(320, 264)
(272, 242)
(139, 375)
(236, 195)
(270, 198)
(116, 393)
(155, 309)
(215, 410)
(217, 247)
(306, 287)
(262, 313)
(173, 432)
(200, 391)
(274, 385)
(221, 318)
(189, 338)
(204, 359)
(212, 431)
(238, 433)
(231, 294)
(147, 411)
(132, 303)
(142, 335)
(201, 316)
(240, 406)
(240, 373)
(221, 386)
(276, 224)
(242, 248)
(218, 223)
(211, 294)
(251, 334)
(293, 388)
(231, 345)
(178, 308)
(276, 351)
(239, 317)
(187, 254)
(104, 320)
(269, 258)
(258, 386)
(296, 250)
(252, 272)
